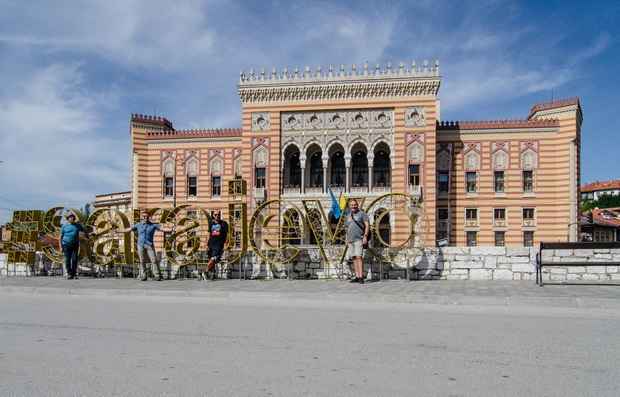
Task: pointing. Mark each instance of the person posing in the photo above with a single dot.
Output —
(146, 232)
(217, 242)
(358, 229)
(69, 242)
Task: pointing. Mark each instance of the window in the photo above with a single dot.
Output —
(291, 228)
(382, 218)
(360, 169)
(499, 239)
(498, 181)
(338, 169)
(216, 186)
(528, 239)
(471, 239)
(471, 182)
(191, 239)
(528, 214)
(316, 170)
(295, 171)
(192, 186)
(499, 214)
(414, 174)
(528, 181)
(237, 187)
(471, 214)
(381, 169)
(442, 182)
(261, 177)
(442, 214)
(168, 186)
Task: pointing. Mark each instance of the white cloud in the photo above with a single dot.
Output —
(53, 150)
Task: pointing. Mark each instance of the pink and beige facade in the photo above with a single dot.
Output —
(373, 131)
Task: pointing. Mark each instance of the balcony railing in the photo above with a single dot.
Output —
(415, 190)
(359, 189)
(291, 190)
(382, 189)
(260, 194)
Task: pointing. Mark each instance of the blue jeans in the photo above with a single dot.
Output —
(71, 258)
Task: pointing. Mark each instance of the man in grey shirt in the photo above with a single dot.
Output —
(358, 229)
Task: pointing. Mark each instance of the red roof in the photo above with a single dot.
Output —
(612, 221)
(598, 186)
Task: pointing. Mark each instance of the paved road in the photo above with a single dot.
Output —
(56, 342)
(490, 293)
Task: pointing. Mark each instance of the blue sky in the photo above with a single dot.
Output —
(73, 72)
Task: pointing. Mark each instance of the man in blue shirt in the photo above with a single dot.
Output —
(69, 242)
(146, 232)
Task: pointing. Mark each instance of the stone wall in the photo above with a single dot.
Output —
(448, 263)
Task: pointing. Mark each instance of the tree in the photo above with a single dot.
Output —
(86, 211)
(604, 201)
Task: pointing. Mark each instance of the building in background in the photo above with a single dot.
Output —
(601, 225)
(593, 191)
(371, 131)
(115, 201)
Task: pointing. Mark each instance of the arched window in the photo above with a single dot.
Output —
(381, 168)
(338, 169)
(316, 170)
(291, 228)
(314, 218)
(295, 171)
(383, 228)
(360, 169)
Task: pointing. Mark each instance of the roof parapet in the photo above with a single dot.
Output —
(202, 133)
(332, 76)
(555, 104)
(492, 124)
(151, 119)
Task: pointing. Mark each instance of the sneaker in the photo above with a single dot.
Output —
(361, 280)
(355, 280)
(70, 278)
(143, 278)
(158, 278)
(212, 277)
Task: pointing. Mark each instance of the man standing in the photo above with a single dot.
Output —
(217, 241)
(69, 242)
(358, 229)
(146, 232)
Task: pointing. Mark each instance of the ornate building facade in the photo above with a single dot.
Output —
(369, 132)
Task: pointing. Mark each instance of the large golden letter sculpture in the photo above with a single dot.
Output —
(399, 224)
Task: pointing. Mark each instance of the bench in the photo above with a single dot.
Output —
(564, 246)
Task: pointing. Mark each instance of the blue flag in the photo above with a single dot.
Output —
(335, 205)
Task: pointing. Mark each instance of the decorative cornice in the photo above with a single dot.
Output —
(555, 104)
(193, 141)
(193, 134)
(556, 109)
(557, 112)
(445, 134)
(349, 85)
(496, 124)
(151, 120)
